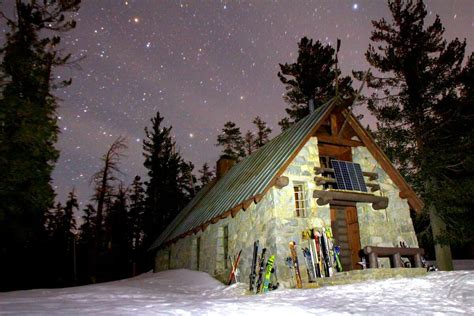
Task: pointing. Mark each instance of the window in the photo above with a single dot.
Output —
(198, 252)
(300, 200)
(225, 243)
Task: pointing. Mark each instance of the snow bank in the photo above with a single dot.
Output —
(184, 292)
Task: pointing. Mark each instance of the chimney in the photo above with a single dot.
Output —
(311, 105)
(223, 165)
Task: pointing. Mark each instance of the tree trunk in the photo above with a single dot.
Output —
(444, 260)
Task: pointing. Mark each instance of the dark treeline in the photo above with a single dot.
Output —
(48, 244)
(121, 221)
(28, 133)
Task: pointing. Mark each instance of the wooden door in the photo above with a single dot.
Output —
(345, 228)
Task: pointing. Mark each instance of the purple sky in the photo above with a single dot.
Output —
(200, 63)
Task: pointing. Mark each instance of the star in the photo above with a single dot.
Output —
(355, 6)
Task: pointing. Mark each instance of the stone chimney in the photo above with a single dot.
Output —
(223, 165)
(311, 105)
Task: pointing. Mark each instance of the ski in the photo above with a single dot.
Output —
(261, 268)
(337, 252)
(319, 251)
(268, 273)
(294, 258)
(309, 264)
(330, 244)
(326, 255)
(274, 279)
(253, 272)
(314, 254)
(234, 269)
(289, 264)
(308, 235)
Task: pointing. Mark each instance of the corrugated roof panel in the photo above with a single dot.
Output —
(246, 179)
(182, 215)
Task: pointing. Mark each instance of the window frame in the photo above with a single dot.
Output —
(300, 198)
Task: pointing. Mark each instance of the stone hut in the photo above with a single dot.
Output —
(284, 188)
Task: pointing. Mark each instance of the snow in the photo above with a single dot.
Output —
(184, 292)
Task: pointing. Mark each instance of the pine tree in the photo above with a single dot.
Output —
(69, 220)
(170, 184)
(186, 182)
(118, 230)
(311, 77)
(420, 74)
(232, 142)
(135, 219)
(263, 132)
(66, 239)
(88, 229)
(87, 245)
(205, 175)
(28, 130)
(249, 143)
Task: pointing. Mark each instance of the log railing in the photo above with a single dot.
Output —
(395, 254)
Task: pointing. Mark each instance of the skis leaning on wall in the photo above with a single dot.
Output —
(234, 273)
(268, 273)
(294, 258)
(253, 268)
(261, 269)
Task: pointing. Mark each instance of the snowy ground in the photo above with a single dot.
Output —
(184, 292)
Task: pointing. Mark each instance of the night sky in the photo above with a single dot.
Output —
(200, 63)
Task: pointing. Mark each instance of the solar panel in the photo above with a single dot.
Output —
(348, 176)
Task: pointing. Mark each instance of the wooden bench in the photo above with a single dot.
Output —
(395, 254)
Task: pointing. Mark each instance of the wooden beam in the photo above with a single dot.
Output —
(333, 119)
(281, 182)
(259, 197)
(324, 180)
(247, 204)
(320, 170)
(373, 186)
(325, 197)
(372, 175)
(235, 210)
(338, 141)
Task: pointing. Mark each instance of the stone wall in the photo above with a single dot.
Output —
(274, 223)
(257, 222)
(289, 226)
(383, 227)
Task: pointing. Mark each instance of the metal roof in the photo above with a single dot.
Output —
(246, 180)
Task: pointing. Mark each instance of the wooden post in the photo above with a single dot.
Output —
(373, 260)
(417, 261)
(396, 261)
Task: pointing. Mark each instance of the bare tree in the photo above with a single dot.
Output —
(104, 178)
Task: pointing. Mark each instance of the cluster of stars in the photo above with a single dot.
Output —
(199, 64)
